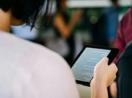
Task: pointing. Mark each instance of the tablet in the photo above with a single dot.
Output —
(84, 64)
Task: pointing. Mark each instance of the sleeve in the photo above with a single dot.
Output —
(120, 38)
(119, 41)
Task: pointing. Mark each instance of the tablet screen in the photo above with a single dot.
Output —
(84, 65)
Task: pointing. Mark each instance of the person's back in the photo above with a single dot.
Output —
(29, 70)
(124, 82)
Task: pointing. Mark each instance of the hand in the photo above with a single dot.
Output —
(104, 73)
(113, 90)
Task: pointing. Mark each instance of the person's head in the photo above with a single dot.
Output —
(115, 2)
(22, 9)
(61, 5)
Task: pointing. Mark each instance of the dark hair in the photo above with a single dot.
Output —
(44, 25)
(23, 9)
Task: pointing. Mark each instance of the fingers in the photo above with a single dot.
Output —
(113, 68)
(103, 62)
(104, 72)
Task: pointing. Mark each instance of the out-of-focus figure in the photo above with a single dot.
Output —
(63, 26)
(104, 22)
(112, 15)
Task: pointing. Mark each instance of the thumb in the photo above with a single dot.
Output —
(104, 61)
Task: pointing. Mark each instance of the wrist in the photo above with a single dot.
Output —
(98, 89)
(98, 83)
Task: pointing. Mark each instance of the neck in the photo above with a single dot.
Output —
(5, 21)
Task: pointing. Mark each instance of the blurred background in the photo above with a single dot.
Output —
(75, 23)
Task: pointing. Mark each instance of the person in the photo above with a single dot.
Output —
(63, 27)
(29, 70)
(124, 36)
(111, 15)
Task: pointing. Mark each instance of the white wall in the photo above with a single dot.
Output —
(95, 3)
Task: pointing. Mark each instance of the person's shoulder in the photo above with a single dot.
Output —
(128, 16)
(50, 57)
(41, 53)
(126, 20)
(129, 11)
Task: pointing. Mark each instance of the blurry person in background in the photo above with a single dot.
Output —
(112, 15)
(98, 30)
(63, 25)
(104, 26)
